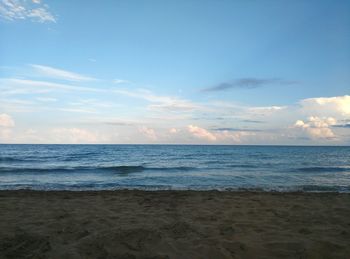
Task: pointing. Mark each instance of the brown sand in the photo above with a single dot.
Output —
(173, 224)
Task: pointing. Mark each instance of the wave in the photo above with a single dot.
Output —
(9, 159)
(165, 187)
(82, 169)
(323, 169)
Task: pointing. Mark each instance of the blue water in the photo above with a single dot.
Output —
(150, 167)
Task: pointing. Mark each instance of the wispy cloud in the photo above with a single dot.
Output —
(11, 86)
(60, 73)
(46, 99)
(247, 83)
(163, 103)
(77, 110)
(253, 121)
(120, 81)
(21, 10)
(235, 129)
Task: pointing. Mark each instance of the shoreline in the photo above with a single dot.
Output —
(224, 190)
(173, 224)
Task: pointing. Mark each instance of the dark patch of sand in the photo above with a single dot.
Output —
(173, 224)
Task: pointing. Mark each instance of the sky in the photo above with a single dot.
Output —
(175, 72)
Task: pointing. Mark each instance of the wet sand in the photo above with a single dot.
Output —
(173, 224)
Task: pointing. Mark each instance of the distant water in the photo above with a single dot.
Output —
(153, 167)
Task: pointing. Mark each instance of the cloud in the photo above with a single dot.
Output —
(233, 136)
(162, 103)
(338, 104)
(60, 73)
(342, 125)
(120, 81)
(263, 111)
(74, 136)
(247, 83)
(6, 125)
(6, 121)
(21, 10)
(173, 131)
(223, 136)
(148, 132)
(11, 86)
(253, 121)
(236, 129)
(317, 127)
(78, 110)
(201, 133)
(46, 99)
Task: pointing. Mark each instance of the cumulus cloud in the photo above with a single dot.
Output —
(222, 136)
(21, 10)
(247, 83)
(317, 127)
(173, 130)
(74, 136)
(60, 73)
(148, 132)
(201, 133)
(6, 121)
(337, 105)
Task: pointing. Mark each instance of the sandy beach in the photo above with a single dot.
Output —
(173, 224)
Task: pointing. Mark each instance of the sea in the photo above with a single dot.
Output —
(175, 167)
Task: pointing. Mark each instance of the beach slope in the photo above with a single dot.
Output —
(173, 224)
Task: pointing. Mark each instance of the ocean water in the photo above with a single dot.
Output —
(179, 167)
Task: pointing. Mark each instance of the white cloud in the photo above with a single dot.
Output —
(265, 110)
(173, 130)
(78, 110)
(148, 132)
(22, 10)
(46, 99)
(325, 105)
(74, 136)
(60, 73)
(6, 125)
(5, 134)
(233, 136)
(11, 86)
(163, 103)
(120, 81)
(201, 133)
(222, 136)
(317, 127)
(6, 121)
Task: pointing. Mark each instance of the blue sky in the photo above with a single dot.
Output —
(217, 72)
